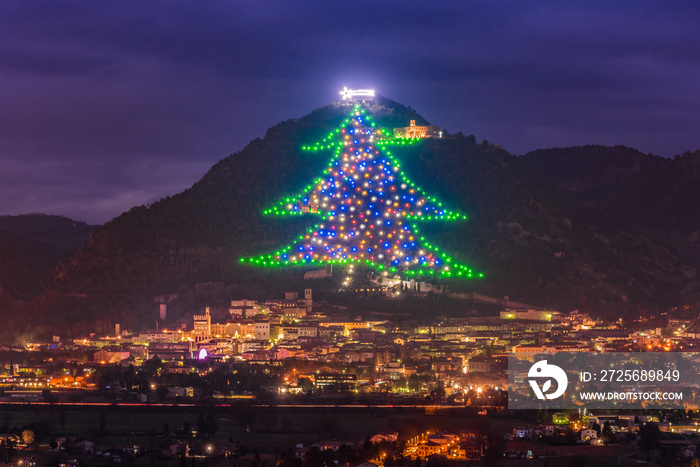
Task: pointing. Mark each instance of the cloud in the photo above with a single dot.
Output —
(95, 95)
(51, 64)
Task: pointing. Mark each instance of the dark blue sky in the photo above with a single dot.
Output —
(107, 105)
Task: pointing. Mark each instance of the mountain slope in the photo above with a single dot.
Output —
(60, 231)
(651, 195)
(595, 174)
(668, 199)
(533, 242)
(30, 248)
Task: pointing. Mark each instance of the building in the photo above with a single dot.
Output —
(484, 364)
(111, 356)
(534, 315)
(318, 273)
(528, 352)
(308, 301)
(308, 330)
(262, 331)
(244, 308)
(292, 307)
(336, 381)
(416, 131)
(202, 326)
(244, 329)
(145, 338)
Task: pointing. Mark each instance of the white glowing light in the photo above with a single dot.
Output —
(352, 93)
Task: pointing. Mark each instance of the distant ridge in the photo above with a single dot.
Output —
(31, 245)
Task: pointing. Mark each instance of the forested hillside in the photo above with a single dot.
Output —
(532, 240)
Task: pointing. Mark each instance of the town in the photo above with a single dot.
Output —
(291, 353)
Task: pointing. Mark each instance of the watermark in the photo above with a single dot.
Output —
(622, 380)
(542, 370)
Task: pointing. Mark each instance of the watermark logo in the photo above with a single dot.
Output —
(542, 370)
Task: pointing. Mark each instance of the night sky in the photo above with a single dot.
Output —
(107, 105)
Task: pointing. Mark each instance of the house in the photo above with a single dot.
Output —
(426, 450)
(381, 437)
(416, 131)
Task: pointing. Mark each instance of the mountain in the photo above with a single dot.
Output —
(654, 197)
(650, 195)
(59, 231)
(533, 241)
(666, 200)
(31, 246)
(595, 174)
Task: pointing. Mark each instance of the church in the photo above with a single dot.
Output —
(417, 131)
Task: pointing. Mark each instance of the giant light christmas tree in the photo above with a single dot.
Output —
(368, 209)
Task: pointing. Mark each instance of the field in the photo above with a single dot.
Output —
(267, 430)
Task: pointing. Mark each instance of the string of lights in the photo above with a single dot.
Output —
(368, 207)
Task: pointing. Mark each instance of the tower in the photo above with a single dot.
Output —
(308, 301)
(202, 326)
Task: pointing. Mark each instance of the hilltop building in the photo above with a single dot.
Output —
(417, 131)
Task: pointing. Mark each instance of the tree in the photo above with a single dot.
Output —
(607, 433)
(161, 393)
(201, 425)
(28, 437)
(436, 461)
(346, 455)
(307, 387)
(369, 209)
(495, 447)
(186, 429)
(649, 437)
(317, 458)
(47, 396)
(212, 427)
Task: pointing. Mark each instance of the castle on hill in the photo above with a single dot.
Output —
(417, 131)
